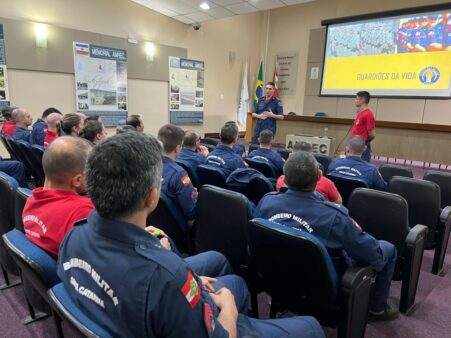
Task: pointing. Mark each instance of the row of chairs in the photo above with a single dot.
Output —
(29, 155)
(44, 293)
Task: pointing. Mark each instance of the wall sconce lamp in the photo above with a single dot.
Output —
(41, 35)
(150, 51)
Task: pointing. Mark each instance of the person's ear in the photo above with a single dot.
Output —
(151, 200)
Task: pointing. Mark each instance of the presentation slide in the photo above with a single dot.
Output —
(396, 56)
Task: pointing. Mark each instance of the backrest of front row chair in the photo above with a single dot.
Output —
(277, 251)
(423, 199)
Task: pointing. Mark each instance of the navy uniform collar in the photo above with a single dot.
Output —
(119, 230)
(355, 158)
(224, 147)
(188, 150)
(167, 159)
(302, 194)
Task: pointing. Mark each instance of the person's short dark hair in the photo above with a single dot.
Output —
(301, 171)
(92, 118)
(229, 133)
(90, 130)
(266, 136)
(190, 139)
(357, 144)
(7, 112)
(133, 120)
(66, 124)
(171, 136)
(303, 146)
(270, 83)
(230, 122)
(65, 157)
(125, 129)
(50, 110)
(121, 171)
(364, 95)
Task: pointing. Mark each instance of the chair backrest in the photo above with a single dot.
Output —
(8, 187)
(16, 151)
(285, 153)
(253, 147)
(33, 166)
(443, 179)
(36, 265)
(346, 185)
(210, 174)
(168, 217)
(388, 170)
(324, 160)
(210, 140)
(265, 168)
(65, 307)
(295, 266)
(257, 188)
(221, 224)
(38, 152)
(21, 198)
(423, 199)
(5, 142)
(382, 214)
(192, 173)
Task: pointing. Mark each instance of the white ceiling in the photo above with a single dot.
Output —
(188, 11)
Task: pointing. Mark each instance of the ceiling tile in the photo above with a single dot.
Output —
(295, 2)
(196, 3)
(177, 6)
(199, 16)
(183, 19)
(241, 8)
(226, 2)
(220, 12)
(266, 4)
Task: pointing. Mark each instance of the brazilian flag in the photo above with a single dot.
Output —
(259, 84)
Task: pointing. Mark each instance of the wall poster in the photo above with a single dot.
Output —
(101, 82)
(186, 91)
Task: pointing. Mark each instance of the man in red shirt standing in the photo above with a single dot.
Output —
(51, 211)
(364, 124)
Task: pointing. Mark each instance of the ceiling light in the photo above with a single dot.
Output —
(204, 6)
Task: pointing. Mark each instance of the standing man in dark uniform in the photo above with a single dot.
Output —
(267, 110)
(345, 241)
(364, 123)
(122, 274)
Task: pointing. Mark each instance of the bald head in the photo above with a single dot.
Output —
(52, 120)
(65, 158)
(22, 118)
(356, 145)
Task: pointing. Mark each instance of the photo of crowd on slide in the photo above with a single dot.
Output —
(369, 38)
(425, 33)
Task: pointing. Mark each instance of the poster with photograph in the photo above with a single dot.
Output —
(101, 82)
(186, 91)
(4, 92)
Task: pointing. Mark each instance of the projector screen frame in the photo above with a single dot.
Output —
(377, 15)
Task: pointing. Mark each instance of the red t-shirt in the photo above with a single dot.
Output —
(363, 123)
(8, 128)
(324, 186)
(49, 137)
(49, 214)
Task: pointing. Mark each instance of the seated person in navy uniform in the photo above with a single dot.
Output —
(23, 120)
(125, 278)
(223, 156)
(176, 182)
(354, 166)
(266, 154)
(40, 126)
(267, 110)
(193, 152)
(345, 241)
(237, 148)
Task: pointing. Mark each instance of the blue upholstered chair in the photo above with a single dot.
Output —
(68, 311)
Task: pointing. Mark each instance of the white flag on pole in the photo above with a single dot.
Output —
(244, 101)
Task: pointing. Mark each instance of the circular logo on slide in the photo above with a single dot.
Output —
(429, 75)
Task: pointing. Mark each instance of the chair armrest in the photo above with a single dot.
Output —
(415, 233)
(355, 275)
(446, 214)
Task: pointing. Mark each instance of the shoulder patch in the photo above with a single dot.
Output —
(186, 180)
(191, 290)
